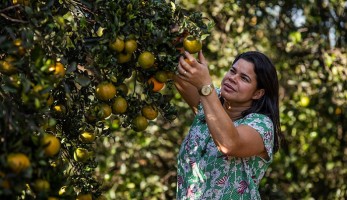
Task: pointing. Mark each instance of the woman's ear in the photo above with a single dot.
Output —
(258, 94)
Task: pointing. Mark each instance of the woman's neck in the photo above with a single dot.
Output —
(234, 112)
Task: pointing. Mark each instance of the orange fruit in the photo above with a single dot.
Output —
(122, 88)
(51, 145)
(84, 197)
(41, 185)
(119, 105)
(105, 91)
(58, 69)
(18, 43)
(18, 162)
(130, 46)
(139, 123)
(115, 124)
(146, 60)
(117, 45)
(6, 66)
(150, 112)
(123, 58)
(188, 61)
(59, 110)
(192, 45)
(87, 137)
(91, 115)
(161, 76)
(81, 154)
(104, 110)
(157, 86)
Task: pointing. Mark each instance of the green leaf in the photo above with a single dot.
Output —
(83, 80)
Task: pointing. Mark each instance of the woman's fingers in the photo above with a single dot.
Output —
(202, 58)
(181, 70)
(189, 57)
(184, 64)
(189, 64)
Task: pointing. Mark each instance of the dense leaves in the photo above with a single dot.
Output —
(72, 69)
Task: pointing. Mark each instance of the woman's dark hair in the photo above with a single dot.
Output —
(267, 79)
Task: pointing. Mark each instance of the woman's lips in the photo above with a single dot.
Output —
(228, 87)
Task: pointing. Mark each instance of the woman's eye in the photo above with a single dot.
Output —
(245, 79)
(232, 71)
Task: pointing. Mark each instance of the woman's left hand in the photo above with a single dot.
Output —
(194, 71)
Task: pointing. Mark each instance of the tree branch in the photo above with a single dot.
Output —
(13, 20)
(9, 8)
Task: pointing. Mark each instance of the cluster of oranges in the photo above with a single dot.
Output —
(127, 50)
(45, 76)
(20, 162)
(115, 104)
(124, 49)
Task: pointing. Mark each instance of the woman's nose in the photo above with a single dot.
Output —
(233, 77)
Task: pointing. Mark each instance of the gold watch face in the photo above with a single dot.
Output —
(206, 90)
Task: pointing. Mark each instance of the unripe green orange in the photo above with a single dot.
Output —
(146, 60)
(117, 45)
(192, 45)
(105, 91)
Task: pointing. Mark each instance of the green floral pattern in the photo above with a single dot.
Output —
(205, 173)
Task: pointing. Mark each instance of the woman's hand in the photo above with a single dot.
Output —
(194, 71)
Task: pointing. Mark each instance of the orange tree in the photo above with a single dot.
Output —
(73, 72)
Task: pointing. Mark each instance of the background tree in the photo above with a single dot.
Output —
(307, 41)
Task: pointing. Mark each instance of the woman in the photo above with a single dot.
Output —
(236, 129)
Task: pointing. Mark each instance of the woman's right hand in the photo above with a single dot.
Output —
(194, 71)
(188, 84)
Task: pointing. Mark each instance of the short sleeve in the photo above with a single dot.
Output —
(264, 126)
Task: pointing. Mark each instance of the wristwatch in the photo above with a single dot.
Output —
(206, 90)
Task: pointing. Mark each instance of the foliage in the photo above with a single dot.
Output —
(54, 56)
(307, 42)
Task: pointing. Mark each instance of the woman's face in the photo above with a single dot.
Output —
(239, 85)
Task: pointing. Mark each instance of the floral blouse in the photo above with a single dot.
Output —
(205, 173)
